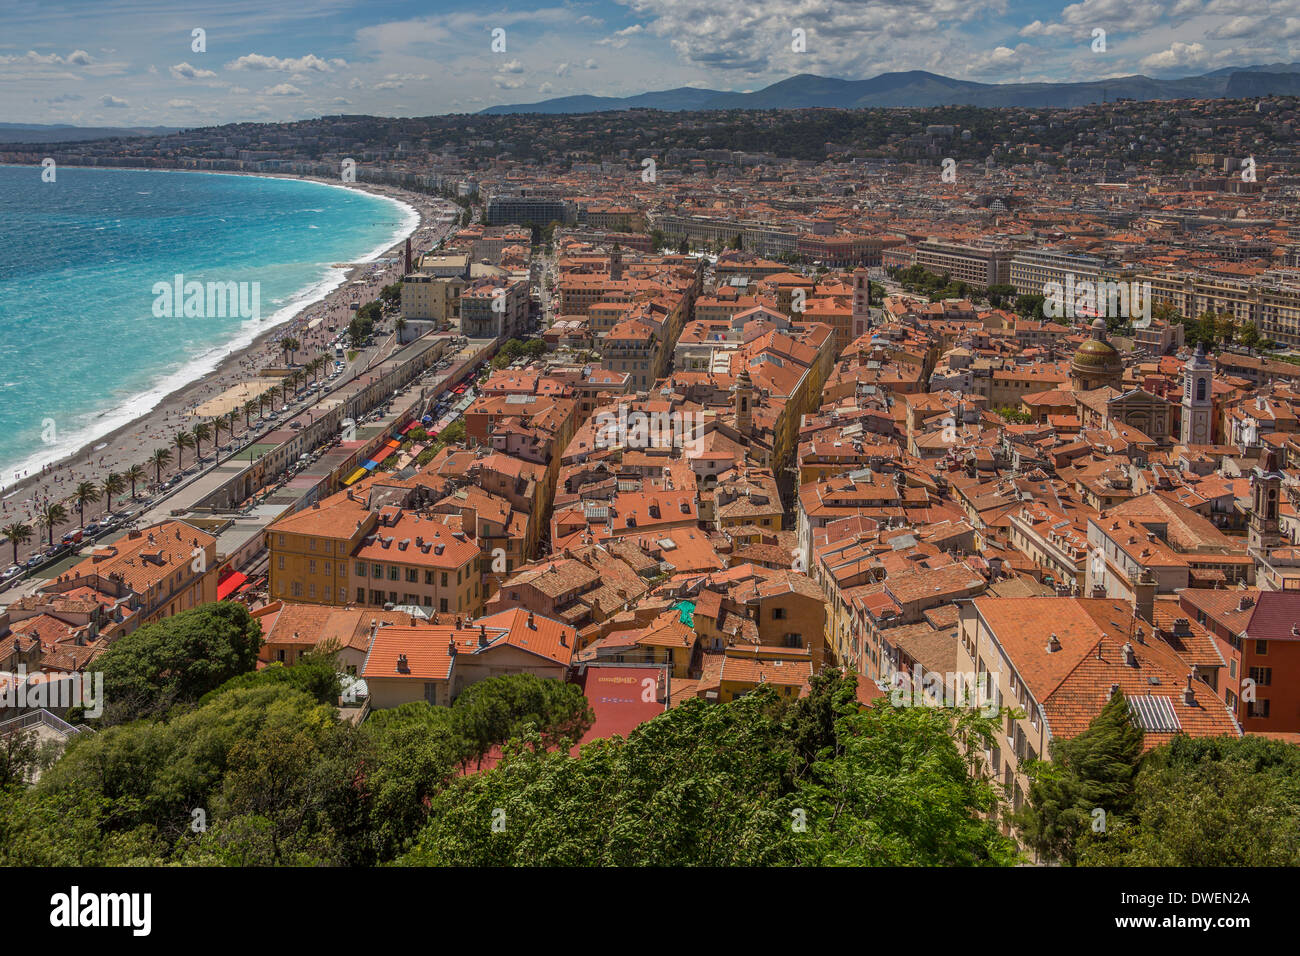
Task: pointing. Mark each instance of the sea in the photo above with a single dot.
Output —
(87, 342)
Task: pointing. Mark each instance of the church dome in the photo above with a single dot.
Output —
(1096, 362)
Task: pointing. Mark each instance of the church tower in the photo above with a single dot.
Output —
(1265, 490)
(1198, 399)
(744, 402)
(861, 305)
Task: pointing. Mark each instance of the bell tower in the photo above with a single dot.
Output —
(1198, 400)
(1265, 490)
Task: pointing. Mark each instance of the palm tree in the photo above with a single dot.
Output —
(202, 432)
(51, 516)
(159, 458)
(232, 419)
(289, 345)
(182, 441)
(85, 494)
(134, 474)
(16, 534)
(114, 484)
(315, 366)
(272, 394)
(399, 326)
(249, 405)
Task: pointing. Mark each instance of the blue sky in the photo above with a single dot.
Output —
(102, 62)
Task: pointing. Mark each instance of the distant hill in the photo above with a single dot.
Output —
(63, 133)
(919, 88)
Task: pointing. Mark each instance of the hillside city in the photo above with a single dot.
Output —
(886, 414)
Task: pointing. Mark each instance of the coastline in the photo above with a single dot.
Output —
(168, 409)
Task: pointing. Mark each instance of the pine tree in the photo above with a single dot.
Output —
(1091, 772)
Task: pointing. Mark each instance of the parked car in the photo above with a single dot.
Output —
(11, 571)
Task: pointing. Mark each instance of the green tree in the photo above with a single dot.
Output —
(159, 458)
(177, 659)
(17, 533)
(50, 516)
(114, 484)
(1092, 771)
(85, 493)
(1202, 801)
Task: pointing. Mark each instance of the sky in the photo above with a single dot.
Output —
(140, 62)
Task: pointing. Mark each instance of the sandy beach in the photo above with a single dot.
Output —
(133, 443)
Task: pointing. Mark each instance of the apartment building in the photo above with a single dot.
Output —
(170, 567)
(494, 308)
(979, 264)
(340, 552)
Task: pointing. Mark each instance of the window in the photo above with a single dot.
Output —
(297, 589)
(377, 572)
(1261, 648)
(394, 573)
(778, 614)
(311, 590)
(392, 597)
(431, 692)
(311, 566)
(412, 576)
(1258, 708)
(280, 562)
(428, 578)
(311, 543)
(360, 569)
(444, 578)
(1262, 676)
(442, 604)
(328, 569)
(361, 595)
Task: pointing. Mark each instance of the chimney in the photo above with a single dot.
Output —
(402, 666)
(532, 624)
(451, 647)
(1114, 689)
(1130, 657)
(1053, 644)
(1189, 695)
(482, 635)
(1144, 597)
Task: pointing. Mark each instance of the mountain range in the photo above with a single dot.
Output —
(919, 88)
(65, 133)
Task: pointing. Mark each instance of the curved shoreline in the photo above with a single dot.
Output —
(179, 391)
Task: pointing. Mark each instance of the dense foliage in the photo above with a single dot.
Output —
(1192, 802)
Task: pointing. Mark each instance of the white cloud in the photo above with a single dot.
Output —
(511, 66)
(182, 104)
(303, 64)
(282, 89)
(113, 102)
(1178, 54)
(183, 71)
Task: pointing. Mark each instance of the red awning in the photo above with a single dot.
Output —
(228, 585)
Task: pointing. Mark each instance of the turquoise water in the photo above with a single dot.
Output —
(81, 349)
